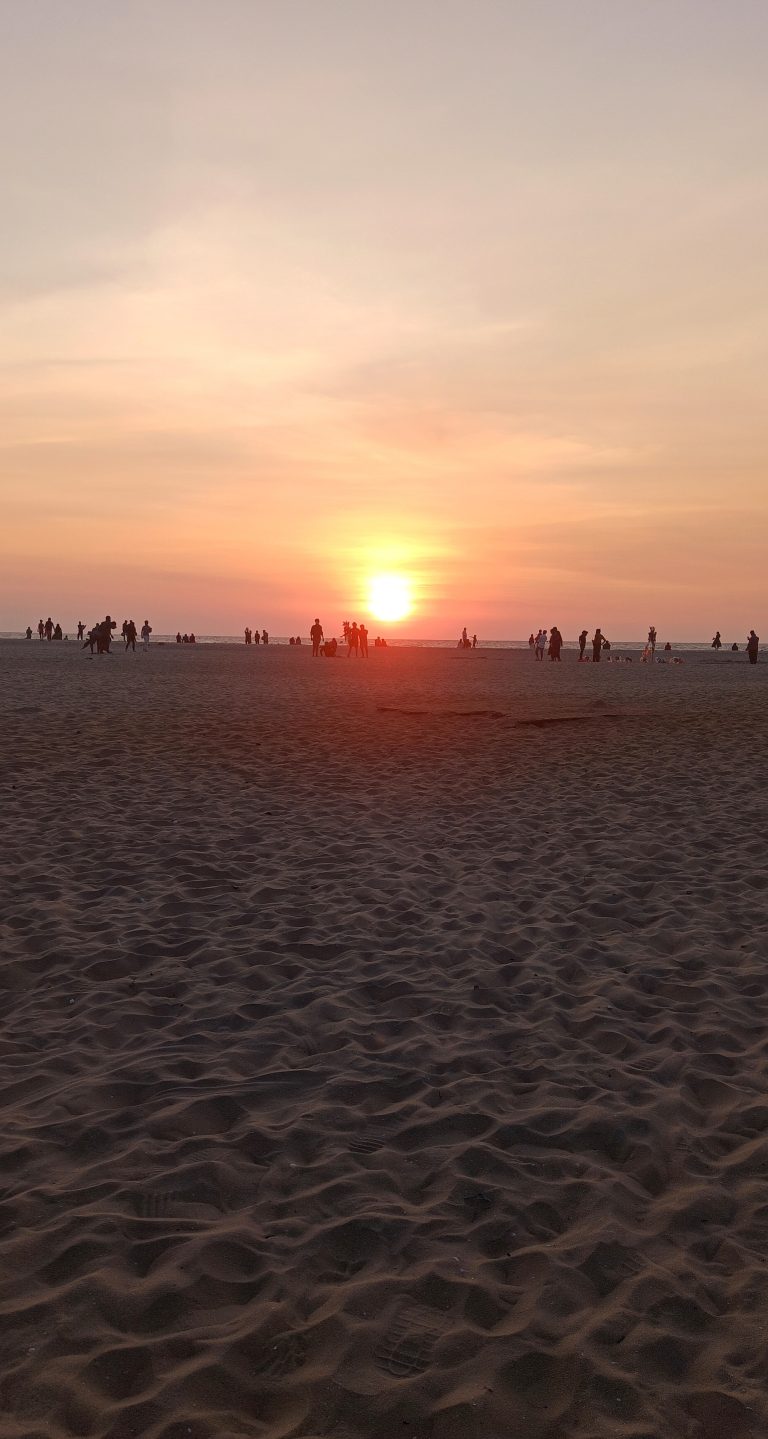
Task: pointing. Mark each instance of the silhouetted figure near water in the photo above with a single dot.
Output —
(328, 650)
(29, 632)
(668, 648)
(257, 637)
(353, 640)
(474, 642)
(717, 643)
(541, 644)
(129, 635)
(531, 642)
(146, 631)
(582, 644)
(316, 636)
(49, 629)
(734, 649)
(555, 644)
(464, 641)
(652, 641)
(363, 643)
(41, 629)
(178, 637)
(80, 629)
(58, 633)
(753, 645)
(264, 637)
(248, 635)
(597, 645)
(298, 639)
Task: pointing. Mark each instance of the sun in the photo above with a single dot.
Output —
(389, 597)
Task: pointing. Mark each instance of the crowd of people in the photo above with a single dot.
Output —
(546, 642)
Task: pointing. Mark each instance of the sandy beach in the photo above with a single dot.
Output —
(383, 1046)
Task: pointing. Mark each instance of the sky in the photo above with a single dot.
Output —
(470, 291)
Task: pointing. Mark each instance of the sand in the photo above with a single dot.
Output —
(377, 1063)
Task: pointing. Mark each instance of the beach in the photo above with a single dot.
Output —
(383, 1045)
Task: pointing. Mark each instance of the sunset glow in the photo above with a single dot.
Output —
(329, 292)
(390, 598)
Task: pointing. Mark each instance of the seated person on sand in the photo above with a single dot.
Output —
(328, 650)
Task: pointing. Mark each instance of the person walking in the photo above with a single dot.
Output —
(363, 642)
(753, 645)
(48, 627)
(129, 635)
(541, 644)
(582, 644)
(597, 645)
(146, 631)
(316, 636)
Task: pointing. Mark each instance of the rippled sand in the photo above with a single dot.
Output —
(382, 1055)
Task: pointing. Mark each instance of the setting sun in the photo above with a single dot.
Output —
(389, 597)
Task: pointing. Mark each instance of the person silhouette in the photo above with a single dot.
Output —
(555, 643)
(597, 645)
(541, 644)
(48, 627)
(753, 645)
(80, 629)
(652, 641)
(363, 643)
(129, 635)
(353, 640)
(474, 642)
(29, 632)
(582, 644)
(316, 636)
(531, 642)
(146, 631)
(717, 643)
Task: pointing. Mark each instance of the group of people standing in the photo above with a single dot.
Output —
(550, 644)
(129, 633)
(252, 637)
(753, 645)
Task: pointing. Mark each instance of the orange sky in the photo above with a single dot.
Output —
(470, 291)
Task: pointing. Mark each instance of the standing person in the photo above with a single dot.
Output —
(363, 643)
(597, 645)
(474, 642)
(264, 637)
(353, 640)
(555, 643)
(80, 629)
(531, 642)
(652, 641)
(582, 645)
(41, 629)
(178, 637)
(316, 636)
(753, 645)
(146, 631)
(257, 637)
(247, 635)
(48, 627)
(541, 644)
(717, 643)
(129, 635)
(464, 638)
